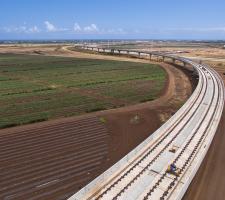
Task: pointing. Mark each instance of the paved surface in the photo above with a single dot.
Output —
(142, 174)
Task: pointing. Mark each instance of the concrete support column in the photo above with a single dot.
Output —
(139, 54)
(195, 72)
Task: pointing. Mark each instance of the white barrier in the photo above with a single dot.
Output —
(130, 157)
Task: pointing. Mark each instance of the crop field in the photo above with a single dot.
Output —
(38, 88)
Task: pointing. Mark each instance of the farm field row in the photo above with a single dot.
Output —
(38, 88)
(51, 162)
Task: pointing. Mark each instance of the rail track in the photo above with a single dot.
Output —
(183, 140)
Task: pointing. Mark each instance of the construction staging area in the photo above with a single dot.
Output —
(182, 142)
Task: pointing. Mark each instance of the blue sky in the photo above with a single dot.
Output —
(112, 19)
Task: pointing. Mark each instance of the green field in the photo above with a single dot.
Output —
(38, 88)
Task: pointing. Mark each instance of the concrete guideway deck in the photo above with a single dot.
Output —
(183, 140)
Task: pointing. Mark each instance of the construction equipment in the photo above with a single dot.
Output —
(172, 169)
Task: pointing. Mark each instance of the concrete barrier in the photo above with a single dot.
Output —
(120, 166)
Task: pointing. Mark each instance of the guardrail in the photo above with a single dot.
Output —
(102, 184)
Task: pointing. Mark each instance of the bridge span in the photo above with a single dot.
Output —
(182, 141)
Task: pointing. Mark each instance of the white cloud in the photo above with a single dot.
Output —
(201, 29)
(120, 31)
(6, 29)
(77, 27)
(34, 29)
(114, 31)
(21, 29)
(91, 28)
(50, 27)
(212, 29)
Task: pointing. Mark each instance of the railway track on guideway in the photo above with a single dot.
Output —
(183, 140)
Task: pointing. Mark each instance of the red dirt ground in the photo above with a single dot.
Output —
(38, 161)
(52, 160)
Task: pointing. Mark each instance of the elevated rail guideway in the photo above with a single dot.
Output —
(182, 141)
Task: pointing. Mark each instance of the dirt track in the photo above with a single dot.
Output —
(52, 160)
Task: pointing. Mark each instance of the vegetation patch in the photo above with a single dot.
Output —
(102, 120)
(39, 88)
